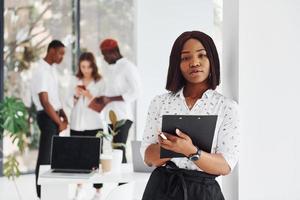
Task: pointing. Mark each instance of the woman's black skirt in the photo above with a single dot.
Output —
(173, 183)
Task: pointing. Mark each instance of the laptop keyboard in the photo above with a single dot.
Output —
(72, 171)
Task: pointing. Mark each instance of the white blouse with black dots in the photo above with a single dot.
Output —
(227, 137)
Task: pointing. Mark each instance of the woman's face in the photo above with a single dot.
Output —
(86, 69)
(194, 64)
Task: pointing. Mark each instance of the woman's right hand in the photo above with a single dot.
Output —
(181, 143)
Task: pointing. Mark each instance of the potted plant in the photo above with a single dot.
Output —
(14, 124)
(113, 129)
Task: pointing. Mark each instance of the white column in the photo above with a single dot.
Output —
(269, 97)
(230, 79)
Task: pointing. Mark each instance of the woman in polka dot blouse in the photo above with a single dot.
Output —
(193, 76)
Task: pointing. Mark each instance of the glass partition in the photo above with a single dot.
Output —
(28, 28)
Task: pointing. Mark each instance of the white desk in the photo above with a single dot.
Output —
(57, 188)
(129, 191)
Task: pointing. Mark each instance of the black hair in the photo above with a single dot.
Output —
(175, 79)
(54, 44)
(88, 56)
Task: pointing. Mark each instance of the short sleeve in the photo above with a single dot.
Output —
(42, 81)
(71, 91)
(152, 125)
(229, 135)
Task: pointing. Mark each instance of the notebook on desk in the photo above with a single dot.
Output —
(200, 128)
(74, 156)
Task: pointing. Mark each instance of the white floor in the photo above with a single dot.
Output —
(26, 185)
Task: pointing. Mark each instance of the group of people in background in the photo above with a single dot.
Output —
(115, 90)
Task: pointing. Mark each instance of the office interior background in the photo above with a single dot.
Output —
(258, 42)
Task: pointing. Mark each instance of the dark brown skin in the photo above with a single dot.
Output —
(110, 57)
(54, 56)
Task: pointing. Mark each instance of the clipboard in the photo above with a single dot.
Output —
(200, 128)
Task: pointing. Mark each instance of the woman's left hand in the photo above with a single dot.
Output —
(181, 143)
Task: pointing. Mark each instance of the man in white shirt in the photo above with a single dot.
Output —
(51, 118)
(122, 87)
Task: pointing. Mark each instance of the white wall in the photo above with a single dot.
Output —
(159, 23)
(269, 96)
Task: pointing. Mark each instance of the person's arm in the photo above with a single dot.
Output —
(225, 157)
(48, 108)
(100, 95)
(150, 148)
(152, 156)
(63, 115)
(76, 95)
(115, 98)
(209, 163)
(73, 93)
(213, 163)
(104, 100)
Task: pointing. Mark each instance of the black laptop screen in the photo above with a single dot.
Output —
(80, 153)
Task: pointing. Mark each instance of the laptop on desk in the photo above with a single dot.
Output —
(137, 160)
(74, 157)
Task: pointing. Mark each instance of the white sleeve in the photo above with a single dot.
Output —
(229, 135)
(133, 84)
(71, 92)
(152, 125)
(42, 81)
(100, 88)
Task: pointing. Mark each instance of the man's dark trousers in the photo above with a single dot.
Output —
(48, 129)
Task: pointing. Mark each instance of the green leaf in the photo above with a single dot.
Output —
(14, 115)
(114, 133)
(11, 167)
(116, 145)
(120, 123)
(102, 134)
(14, 120)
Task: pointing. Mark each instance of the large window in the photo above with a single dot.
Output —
(28, 28)
(29, 25)
(102, 19)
